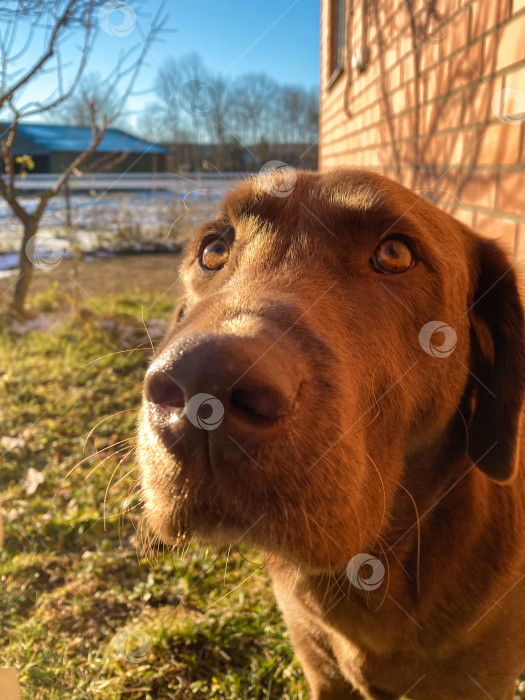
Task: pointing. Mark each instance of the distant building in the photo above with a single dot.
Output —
(233, 157)
(54, 146)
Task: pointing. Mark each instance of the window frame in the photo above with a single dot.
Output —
(337, 41)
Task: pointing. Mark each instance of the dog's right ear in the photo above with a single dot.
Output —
(497, 363)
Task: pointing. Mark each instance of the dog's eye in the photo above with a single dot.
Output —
(215, 254)
(392, 256)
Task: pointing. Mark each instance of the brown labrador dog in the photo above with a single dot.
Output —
(342, 387)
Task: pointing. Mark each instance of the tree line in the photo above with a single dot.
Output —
(235, 123)
(231, 124)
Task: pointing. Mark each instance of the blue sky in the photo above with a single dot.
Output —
(279, 37)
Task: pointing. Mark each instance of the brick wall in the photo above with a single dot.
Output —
(439, 107)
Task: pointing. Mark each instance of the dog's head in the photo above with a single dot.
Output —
(331, 330)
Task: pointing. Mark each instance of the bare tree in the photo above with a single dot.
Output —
(215, 109)
(59, 20)
(311, 116)
(253, 102)
(296, 114)
(16, 16)
(92, 95)
(181, 86)
(167, 113)
(151, 125)
(251, 115)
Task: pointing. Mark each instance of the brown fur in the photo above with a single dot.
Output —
(360, 441)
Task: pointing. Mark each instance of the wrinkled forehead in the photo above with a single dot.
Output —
(341, 205)
(332, 202)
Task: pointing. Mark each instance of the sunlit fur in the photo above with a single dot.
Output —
(377, 454)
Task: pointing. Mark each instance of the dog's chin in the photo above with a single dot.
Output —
(180, 526)
(188, 498)
(200, 524)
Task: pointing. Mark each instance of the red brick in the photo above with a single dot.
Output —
(447, 113)
(399, 103)
(372, 159)
(406, 43)
(487, 14)
(408, 68)
(478, 101)
(405, 126)
(466, 66)
(421, 86)
(520, 245)
(511, 47)
(516, 79)
(439, 80)
(478, 188)
(464, 215)
(500, 144)
(426, 115)
(430, 55)
(394, 78)
(390, 57)
(455, 33)
(435, 27)
(463, 147)
(404, 178)
(400, 19)
(446, 7)
(498, 228)
(431, 83)
(511, 197)
(435, 151)
(446, 187)
(490, 54)
(515, 102)
(343, 140)
(407, 152)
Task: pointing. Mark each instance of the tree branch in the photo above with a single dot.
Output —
(62, 22)
(8, 189)
(44, 197)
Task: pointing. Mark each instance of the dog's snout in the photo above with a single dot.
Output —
(263, 401)
(162, 389)
(252, 383)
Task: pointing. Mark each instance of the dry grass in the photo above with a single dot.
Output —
(85, 613)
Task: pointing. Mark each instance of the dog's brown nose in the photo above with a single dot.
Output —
(242, 379)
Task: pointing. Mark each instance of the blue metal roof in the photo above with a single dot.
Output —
(54, 137)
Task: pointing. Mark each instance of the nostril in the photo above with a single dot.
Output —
(163, 390)
(260, 404)
(246, 402)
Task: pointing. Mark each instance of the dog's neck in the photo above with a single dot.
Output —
(445, 501)
(442, 514)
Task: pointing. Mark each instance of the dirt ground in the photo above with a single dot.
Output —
(152, 273)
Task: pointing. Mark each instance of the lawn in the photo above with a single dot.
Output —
(88, 609)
